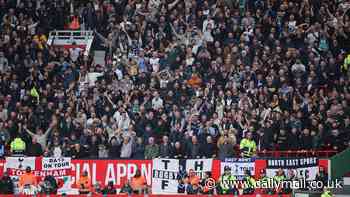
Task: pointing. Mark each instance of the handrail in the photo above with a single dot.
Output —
(86, 33)
(67, 37)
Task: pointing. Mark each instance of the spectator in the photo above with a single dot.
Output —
(126, 189)
(84, 183)
(78, 152)
(126, 149)
(139, 149)
(50, 185)
(109, 189)
(204, 184)
(27, 180)
(208, 148)
(102, 151)
(165, 149)
(41, 137)
(35, 149)
(178, 152)
(114, 148)
(138, 183)
(281, 140)
(194, 148)
(6, 184)
(193, 186)
(152, 149)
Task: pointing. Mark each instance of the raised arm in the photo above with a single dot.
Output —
(173, 4)
(28, 131)
(47, 132)
(101, 37)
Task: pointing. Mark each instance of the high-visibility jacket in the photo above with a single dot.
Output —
(251, 183)
(279, 178)
(326, 194)
(18, 145)
(345, 66)
(226, 183)
(248, 147)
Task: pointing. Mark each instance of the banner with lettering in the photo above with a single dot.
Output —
(164, 176)
(199, 166)
(116, 171)
(238, 166)
(305, 168)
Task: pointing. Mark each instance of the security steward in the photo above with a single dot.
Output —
(18, 146)
(226, 181)
(279, 177)
(265, 182)
(249, 187)
(248, 146)
(327, 193)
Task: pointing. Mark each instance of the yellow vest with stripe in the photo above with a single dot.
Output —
(18, 145)
(248, 147)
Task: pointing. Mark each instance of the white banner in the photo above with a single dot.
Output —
(164, 176)
(238, 166)
(19, 163)
(305, 168)
(200, 166)
(49, 163)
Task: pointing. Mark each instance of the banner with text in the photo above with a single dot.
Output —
(117, 171)
(199, 166)
(238, 166)
(305, 168)
(165, 175)
(167, 172)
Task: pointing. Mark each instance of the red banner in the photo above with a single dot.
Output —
(117, 171)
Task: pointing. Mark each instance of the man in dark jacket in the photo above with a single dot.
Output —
(165, 149)
(109, 189)
(194, 148)
(208, 148)
(6, 184)
(34, 149)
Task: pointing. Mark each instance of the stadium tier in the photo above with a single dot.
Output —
(173, 97)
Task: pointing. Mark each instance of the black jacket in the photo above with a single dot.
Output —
(6, 185)
(208, 150)
(35, 150)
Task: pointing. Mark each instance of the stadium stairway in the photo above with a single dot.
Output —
(99, 57)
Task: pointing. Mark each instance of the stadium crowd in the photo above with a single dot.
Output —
(183, 79)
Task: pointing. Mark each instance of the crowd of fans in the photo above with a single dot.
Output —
(183, 79)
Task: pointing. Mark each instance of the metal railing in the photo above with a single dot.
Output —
(66, 37)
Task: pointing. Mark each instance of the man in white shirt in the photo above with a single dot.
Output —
(157, 102)
(154, 61)
(122, 119)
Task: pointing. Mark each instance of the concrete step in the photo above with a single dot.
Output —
(99, 57)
